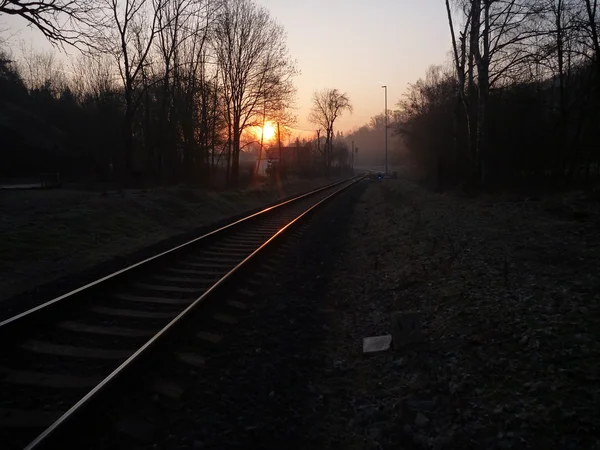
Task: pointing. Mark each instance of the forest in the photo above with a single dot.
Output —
(520, 104)
(160, 92)
(168, 91)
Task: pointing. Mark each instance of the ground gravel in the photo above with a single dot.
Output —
(508, 293)
(261, 386)
(264, 390)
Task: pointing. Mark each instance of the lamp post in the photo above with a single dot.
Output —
(386, 133)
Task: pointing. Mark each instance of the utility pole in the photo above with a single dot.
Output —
(262, 135)
(318, 155)
(352, 156)
(280, 158)
(386, 131)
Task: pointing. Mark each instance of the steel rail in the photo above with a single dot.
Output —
(45, 439)
(44, 306)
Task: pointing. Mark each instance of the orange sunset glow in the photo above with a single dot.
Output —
(268, 132)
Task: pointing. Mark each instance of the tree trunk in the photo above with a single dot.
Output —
(151, 158)
(473, 94)
(235, 161)
(228, 164)
(591, 11)
(564, 125)
(163, 118)
(461, 108)
(483, 69)
(482, 124)
(262, 135)
(214, 134)
(329, 148)
(280, 165)
(128, 136)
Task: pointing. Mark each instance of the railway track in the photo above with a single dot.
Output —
(62, 359)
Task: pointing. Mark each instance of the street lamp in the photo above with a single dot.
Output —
(386, 133)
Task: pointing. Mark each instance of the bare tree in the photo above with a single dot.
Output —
(499, 46)
(41, 69)
(555, 20)
(61, 21)
(135, 25)
(195, 91)
(175, 22)
(92, 76)
(462, 108)
(591, 8)
(328, 106)
(176, 75)
(254, 65)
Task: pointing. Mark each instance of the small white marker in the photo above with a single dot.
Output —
(376, 344)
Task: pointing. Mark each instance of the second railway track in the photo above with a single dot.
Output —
(58, 358)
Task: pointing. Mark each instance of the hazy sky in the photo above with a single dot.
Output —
(352, 45)
(358, 45)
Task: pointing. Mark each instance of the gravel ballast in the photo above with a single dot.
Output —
(264, 389)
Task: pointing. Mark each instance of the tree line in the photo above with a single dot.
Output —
(163, 91)
(520, 103)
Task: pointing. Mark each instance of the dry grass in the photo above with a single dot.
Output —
(510, 299)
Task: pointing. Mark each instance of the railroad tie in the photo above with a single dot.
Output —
(104, 330)
(47, 348)
(167, 388)
(165, 288)
(47, 379)
(132, 313)
(246, 292)
(224, 318)
(192, 359)
(237, 304)
(17, 418)
(155, 300)
(206, 336)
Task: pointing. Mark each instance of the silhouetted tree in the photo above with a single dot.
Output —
(327, 106)
(254, 66)
(522, 98)
(61, 21)
(134, 24)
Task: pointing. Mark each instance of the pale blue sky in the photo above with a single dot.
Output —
(352, 45)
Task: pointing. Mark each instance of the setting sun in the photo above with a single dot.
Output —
(269, 131)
